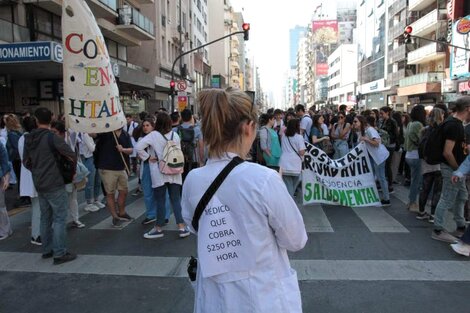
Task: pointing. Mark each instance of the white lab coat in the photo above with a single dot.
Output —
(27, 188)
(258, 198)
(130, 129)
(158, 143)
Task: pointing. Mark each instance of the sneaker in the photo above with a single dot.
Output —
(117, 223)
(148, 220)
(90, 207)
(442, 235)
(431, 219)
(422, 216)
(167, 221)
(184, 232)
(407, 183)
(67, 257)
(461, 248)
(391, 190)
(78, 224)
(459, 232)
(4, 237)
(99, 205)
(413, 207)
(47, 255)
(36, 241)
(137, 192)
(385, 202)
(154, 233)
(125, 217)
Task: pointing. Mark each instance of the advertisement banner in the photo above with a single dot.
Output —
(460, 58)
(321, 69)
(325, 32)
(348, 181)
(91, 95)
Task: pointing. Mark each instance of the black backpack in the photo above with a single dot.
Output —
(434, 148)
(67, 167)
(425, 135)
(187, 143)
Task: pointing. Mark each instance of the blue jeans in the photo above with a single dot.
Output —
(175, 197)
(380, 173)
(416, 178)
(341, 148)
(90, 185)
(146, 183)
(54, 210)
(453, 196)
(291, 182)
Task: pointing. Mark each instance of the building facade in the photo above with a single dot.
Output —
(342, 77)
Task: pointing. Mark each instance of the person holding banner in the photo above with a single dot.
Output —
(377, 151)
(293, 149)
(248, 270)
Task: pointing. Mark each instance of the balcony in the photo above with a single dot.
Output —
(397, 54)
(430, 52)
(396, 30)
(421, 84)
(393, 79)
(109, 30)
(103, 8)
(429, 23)
(418, 5)
(397, 7)
(54, 6)
(145, 1)
(135, 24)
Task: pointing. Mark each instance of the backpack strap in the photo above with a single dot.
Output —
(212, 190)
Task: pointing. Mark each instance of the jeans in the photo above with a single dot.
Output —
(175, 197)
(388, 167)
(380, 173)
(416, 177)
(466, 236)
(73, 204)
(291, 182)
(5, 226)
(146, 183)
(35, 218)
(431, 181)
(90, 185)
(453, 196)
(53, 218)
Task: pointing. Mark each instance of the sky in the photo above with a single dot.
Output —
(268, 45)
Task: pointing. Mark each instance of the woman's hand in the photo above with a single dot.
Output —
(153, 159)
(5, 181)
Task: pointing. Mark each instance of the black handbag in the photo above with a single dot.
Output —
(192, 264)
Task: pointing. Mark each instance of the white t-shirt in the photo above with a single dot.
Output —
(306, 125)
(326, 132)
(379, 153)
(290, 161)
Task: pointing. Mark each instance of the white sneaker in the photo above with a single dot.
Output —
(99, 205)
(90, 207)
(78, 224)
(461, 248)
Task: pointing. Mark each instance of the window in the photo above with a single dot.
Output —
(163, 48)
(116, 51)
(45, 25)
(184, 21)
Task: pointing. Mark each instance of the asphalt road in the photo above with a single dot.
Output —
(356, 260)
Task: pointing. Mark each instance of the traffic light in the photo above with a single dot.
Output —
(246, 29)
(172, 87)
(407, 34)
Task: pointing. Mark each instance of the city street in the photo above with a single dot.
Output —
(356, 260)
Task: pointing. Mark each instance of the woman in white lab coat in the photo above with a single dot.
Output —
(249, 224)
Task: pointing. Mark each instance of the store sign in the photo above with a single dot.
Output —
(50, 89)
(460, 58)
(374, 86)
(464, 87)
(31, 52)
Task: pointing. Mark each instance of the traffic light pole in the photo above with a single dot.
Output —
(188, 52)
(441, 42)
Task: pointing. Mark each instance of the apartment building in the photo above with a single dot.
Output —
(36, 79)
(342, 77)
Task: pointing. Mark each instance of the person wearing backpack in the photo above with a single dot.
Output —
(165, 170)
(192, 144)
(39, 157)
(418, 120)
(390, 126)
(305, 121)
(451, 137)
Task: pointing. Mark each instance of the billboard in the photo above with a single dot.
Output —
(325, 32)
(460, 58)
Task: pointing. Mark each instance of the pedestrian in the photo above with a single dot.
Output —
(432, 178)
(389, 125)
(377, 151)
(403, 168)
(463, 245)
(5, 168)
(293, 150)
(453, 196)
(261, 220)
(340, 135)
(397, 152)
(319, 139)
(130, 126)
(86, 147)
(269, 142)
(161, 183)
(27, 188)
(305, 121)
(192, 144)
(39, 148)
(112, 151)
(418, 121)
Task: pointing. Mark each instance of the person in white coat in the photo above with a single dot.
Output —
(249, 224)
(27, 188)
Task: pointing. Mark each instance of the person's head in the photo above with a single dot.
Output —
(359, 124)
(300, 110)
(418, 113)
(29, 123)
(148, 125)
(163, 124)
(366, 112)
(370, 120)
(461, 106)
(385, 112)
(436, 117)
(129, 118)
(266, 119)
(444, 108)
(341, 117)
(288, 116)
(293, 127)
(143, 115)
(43, 116)
(228, 121)
(175, 118)
(278, 114)
(405, 119)
(318, 119)
(186, 115)
(12, 122)
(398, 118)
(162, 109)
(342, 108)
(375, 113)
(58, 128)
